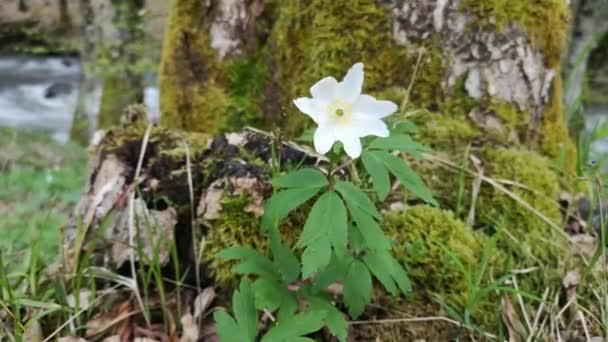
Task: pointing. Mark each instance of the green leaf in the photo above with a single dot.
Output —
(401, 278)
(243, 305)
(270, 295)
(333, 272)
(244, 328)
(382, 269)
(227, 329)
(399, 142)
(378, 173)
(316, 256)
(405, 126)
(334, 319)
(302, 178)
(282, 203)
(250, 262)
(295, 327)
(287, 262)
(357, 288)
(370, 230)
(325, 227)
(406, 176)
(355, 198)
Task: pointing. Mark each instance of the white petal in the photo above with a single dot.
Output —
(350, 87)
(324, 139)
(370, 126)
(368, 105)
(325, 89)
(313, 108)
(352, 145)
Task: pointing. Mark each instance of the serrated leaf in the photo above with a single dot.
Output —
(372, 234)
(244, 327)
(405, 126)
(356, 198)
(406, 176)
(378, 173)
(316, 256)
(335, 271)
(227, 329)
(243, 305)
(295, 327)
(250, 261)
(302, 178)
(334, 319)
(401, 278)
(269, 294)
(287, 262)
(357, 288)
(399, 142)
(325, 227)
(337, 226)
(382, 269)
(284, 202)
(288, 308)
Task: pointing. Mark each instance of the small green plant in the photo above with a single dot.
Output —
(342, 240)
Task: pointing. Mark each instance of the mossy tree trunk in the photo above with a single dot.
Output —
(493, 67)
(589, 25)
(85, 106)
(122, 52)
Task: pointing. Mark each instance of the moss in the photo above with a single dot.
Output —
(235, 227)
(555, 142)
(423, 236)
(315, 38)
(444, 132)
(545, 21)
(192, 94)
(418, 233)
(246, 78)
(118, 92)
(532, 242)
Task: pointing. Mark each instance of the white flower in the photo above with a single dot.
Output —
(343, 113)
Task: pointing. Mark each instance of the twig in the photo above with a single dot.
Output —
(140, 161)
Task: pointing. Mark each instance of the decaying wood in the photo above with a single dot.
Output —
(234, 164)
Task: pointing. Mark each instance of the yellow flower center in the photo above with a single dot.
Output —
(340, 111)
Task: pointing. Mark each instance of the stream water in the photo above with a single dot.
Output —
(40, 93)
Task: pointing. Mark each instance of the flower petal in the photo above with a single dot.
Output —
(352, 145)
(366, 125)
(313, 108)
(350, 87)
(369, 106)
(325, 89)
(324, 139)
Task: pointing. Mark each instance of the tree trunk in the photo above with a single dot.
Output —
(87, 103)
(494, 68)
(588, 28)
(121, 53)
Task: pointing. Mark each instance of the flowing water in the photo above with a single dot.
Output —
(40, 93)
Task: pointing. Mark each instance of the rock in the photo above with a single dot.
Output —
(57, 89)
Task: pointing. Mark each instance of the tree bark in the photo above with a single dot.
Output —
(121, 52)
(494, 68)
(588, 28)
